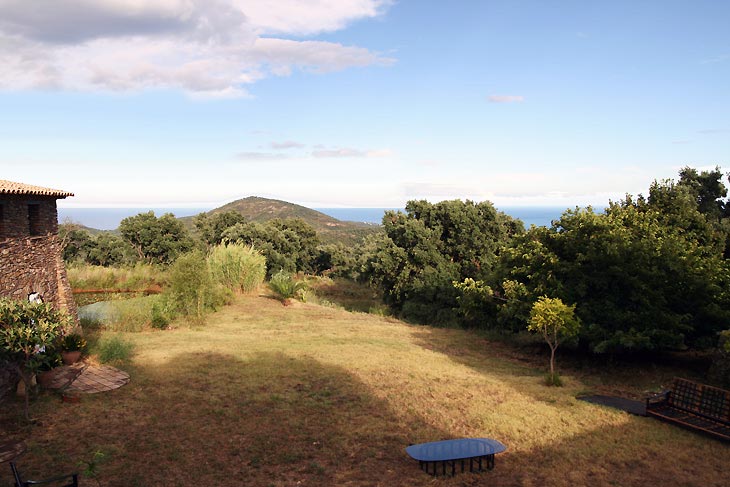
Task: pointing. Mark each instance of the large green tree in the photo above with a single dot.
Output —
(212, 226)
(156, 240)
(429, 247)
(646, 274)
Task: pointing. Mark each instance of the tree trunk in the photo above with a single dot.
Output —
(552, 364)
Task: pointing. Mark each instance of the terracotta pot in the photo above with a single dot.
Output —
(45, 378)
(70, 358)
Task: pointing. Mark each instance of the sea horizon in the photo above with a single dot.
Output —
(109, 218)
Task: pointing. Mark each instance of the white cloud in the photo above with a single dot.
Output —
(260, 156)
(309, 17)
(506, 98)
(323, 153)
(341, 152)
(287, 144)
(209, 48)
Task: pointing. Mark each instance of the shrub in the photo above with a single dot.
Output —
(238, 267)
(26, 329)
(114, 349)
(190, 290)
(285, 286)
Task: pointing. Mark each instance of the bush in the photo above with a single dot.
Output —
(285, 286)
(26, 329)
(720, 368)
(114, 350)
(237, 267)
(190, 291)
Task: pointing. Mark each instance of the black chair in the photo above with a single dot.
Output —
(74, 479)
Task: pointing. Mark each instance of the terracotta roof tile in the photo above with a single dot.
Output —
(9, 187)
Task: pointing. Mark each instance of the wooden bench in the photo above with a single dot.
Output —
(694, 406)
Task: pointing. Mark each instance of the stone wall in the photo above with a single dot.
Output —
(34, 264)
(31, 259)
(30, 251)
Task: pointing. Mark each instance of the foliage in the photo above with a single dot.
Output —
(648, 273)
(156, 240)
(26, 329)
(73, 342)
(285, 286)
(237, 267)
(720, 369)
(79, 246)
(139, 277)
(114, 350)
(212, 227)
(191, 291)
(476, 301)
(431, 246)
(556, 322)
(290, 244)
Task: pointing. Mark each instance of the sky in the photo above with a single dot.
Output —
(361, 103)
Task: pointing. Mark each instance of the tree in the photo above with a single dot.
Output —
(75, 241)
(431, 246)
(156, 240)
(212, 227)
(648, 273)
(108, 249)
(290, 244)
(556, 322)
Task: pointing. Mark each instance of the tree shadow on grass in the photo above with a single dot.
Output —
(212, 419)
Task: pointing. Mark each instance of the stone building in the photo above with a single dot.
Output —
(30, 251)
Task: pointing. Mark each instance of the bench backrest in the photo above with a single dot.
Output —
(701, 399)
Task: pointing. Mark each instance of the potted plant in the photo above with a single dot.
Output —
(45, 364)
(72, 345)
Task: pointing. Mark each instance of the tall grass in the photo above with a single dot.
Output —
(121, 315)
(237, 267)
(139, 277)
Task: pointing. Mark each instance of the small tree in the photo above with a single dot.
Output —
(556, 322)
(26, 329)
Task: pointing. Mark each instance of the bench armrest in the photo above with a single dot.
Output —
(657, 398)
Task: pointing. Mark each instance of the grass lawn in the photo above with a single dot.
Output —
(304, 395)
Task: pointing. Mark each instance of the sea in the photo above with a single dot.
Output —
(109, 218)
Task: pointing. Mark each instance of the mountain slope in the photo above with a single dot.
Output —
(330, 229)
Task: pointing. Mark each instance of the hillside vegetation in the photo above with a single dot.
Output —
(329, 229)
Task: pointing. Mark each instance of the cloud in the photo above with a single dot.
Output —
(506, 98)
(260, 156)
(287, 144)
(342, 152)
(207, 48)
(347, 152)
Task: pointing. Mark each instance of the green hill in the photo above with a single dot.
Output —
(330, 229)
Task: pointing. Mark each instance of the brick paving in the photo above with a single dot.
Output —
(99, 378)
(88, 379)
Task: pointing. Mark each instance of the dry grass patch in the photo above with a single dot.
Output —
(268, 395)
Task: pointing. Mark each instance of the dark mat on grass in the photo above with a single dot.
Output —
(630, 406)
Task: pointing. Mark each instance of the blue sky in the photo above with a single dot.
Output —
(360, 103)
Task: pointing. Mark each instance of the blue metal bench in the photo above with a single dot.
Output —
(478, 452)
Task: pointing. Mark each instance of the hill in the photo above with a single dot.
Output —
(330, 229)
